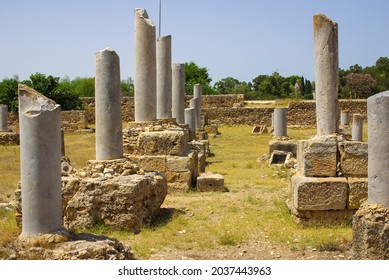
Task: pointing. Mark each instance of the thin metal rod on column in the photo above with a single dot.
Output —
(160, 15)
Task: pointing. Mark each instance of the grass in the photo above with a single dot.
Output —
(253, 209)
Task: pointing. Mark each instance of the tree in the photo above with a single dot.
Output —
(382, 64)
(9, 94)
(358, 85)
(197, 75)
(127, 86)
(226, 85)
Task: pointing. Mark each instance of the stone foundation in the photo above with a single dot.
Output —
(67, 246)
(9, 138)
(371, 233)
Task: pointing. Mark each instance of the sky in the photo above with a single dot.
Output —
(240, 39)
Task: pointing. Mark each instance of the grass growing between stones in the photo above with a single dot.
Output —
(253, 209)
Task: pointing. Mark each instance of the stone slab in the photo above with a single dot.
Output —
(310, 193)
(353, 158)
(283, 145)
(317, 158)
(357, 192)
(210, 183)
(162, 143)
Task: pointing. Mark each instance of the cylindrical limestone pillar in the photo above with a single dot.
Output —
(164, 77)
(280, 125)
(194, 103)
(40, 162)
(197, 93)
(357, 129)
(190, 116)
(178, 92)
(326, 74)
(145, 81)
(345, 118)
(109, 137)
(378, 160)
(3, 117)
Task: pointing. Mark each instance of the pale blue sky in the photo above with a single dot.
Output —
(241, 39)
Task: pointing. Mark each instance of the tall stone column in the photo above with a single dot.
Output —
(198, 93)
(194, 103)
(357, 129)
(3, 117)
(370, 223)
(280, 124)
(190, 116)
(326, 74)
(145, 68)
(109, 136)
(178, 92)
(164, 77)
(40, 162)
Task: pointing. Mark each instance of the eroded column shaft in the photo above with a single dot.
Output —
(326, 74)
(164, 77)
(357, 129)
(280, 122)
(3, 117)
(197, 93)
(109, 136)
(40, 162)
(178, 92)
(145, 81)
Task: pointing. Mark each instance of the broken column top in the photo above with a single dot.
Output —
(320, 19)
(142, 13)
(33, 102)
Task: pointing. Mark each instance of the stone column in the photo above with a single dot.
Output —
(326, 74)
(357, 129)
(280, 125)
(3, 117)
(197, 93)
(40, 162)
(178, 92)
(345, 118)
(164, 77)
(145, 81)
(109, 136)
(190, 116)
(370, 223)
(194, 103)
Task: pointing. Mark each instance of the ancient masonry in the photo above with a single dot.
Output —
(43, 235)
(331, 178)
(7, 137)
(371, 222)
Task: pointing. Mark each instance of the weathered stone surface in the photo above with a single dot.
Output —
(179, 181)
(153, 163)
(353, 158)
(3, 117)
(280, 124)
(310, 193)
(164, 77)
(9, 138)
(320, 217)
(67, 246)
(180, 164)
(371, 232)
(317, 158)
(209, 182)
(124, 202)
(162, 143)
(286, 145)
(178, 92)
(357, 192)
(117, 167)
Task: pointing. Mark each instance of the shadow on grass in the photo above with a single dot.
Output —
(165, 216)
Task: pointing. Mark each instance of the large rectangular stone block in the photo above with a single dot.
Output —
(353, 158)
(153, 163)
(317, 158)
(357, 192)
(289, 145)
(180, 164)
(310, 193)
(162, 142)
(179, 180)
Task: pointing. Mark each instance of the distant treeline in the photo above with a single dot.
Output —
(356, 82)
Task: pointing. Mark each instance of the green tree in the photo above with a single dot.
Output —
(127, 86)
(197, 75)
(226, 85)
(358, 85)
(9, 93)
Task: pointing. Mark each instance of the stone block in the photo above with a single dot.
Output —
(180, 164)
(357, 192)
(310, 193)
(210, 183)
(153, 163)
(353, 158)
(179, 180)
(289, 145)
(162, 143)
(317, 158)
